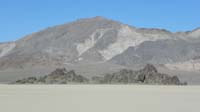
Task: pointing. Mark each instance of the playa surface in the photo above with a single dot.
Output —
(99, 98)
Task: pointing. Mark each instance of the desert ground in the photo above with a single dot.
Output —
(99, 98)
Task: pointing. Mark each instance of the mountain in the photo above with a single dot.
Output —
(98, 44)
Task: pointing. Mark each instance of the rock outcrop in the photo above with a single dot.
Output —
(59, 76)
(147, 75)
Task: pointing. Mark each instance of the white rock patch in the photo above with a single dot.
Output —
(195, 34)
(90, 42)
(6, 48)
(127, 37)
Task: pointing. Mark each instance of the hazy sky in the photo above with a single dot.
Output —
(21, 17)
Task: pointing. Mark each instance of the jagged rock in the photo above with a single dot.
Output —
(149, 68)
(148, 75)
(30, 80)
(59, 76)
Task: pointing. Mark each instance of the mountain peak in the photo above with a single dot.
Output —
(96, 19)
(99, 17)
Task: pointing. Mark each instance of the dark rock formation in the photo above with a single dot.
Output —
(124, 76)
(30, 80)
(62, 76)
(147, 75)
(59, 76)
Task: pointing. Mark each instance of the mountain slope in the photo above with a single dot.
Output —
(97, 41)
(5, 48)
(159, 52)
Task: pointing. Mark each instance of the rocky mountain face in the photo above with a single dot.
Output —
(5, 48)
(159, 52)
(91, 44)
(99, 40)
(147, 75)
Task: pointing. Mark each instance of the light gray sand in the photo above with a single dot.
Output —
(96, 98)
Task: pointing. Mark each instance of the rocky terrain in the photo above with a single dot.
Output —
(147, 75)
(98, 40)
(98, 45)
(59, 76)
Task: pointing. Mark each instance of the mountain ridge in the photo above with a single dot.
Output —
(130, 36)
(99, 41)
